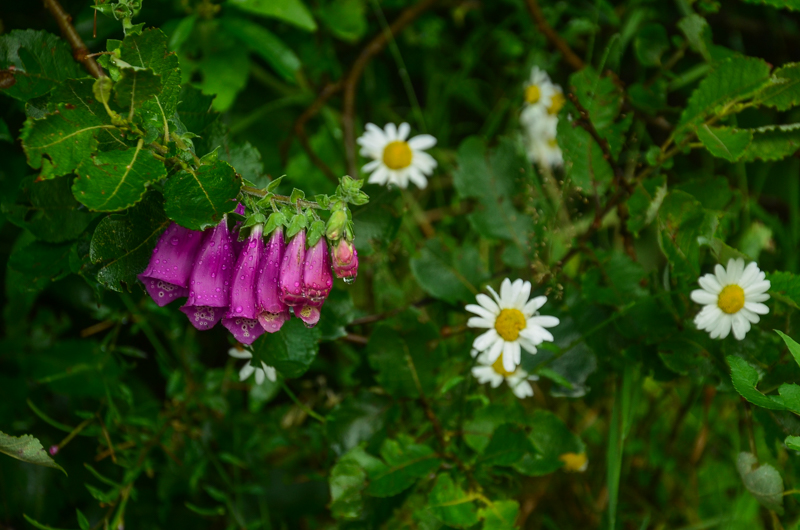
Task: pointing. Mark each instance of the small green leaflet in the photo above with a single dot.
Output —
(291, 11)
(149, 50)
(198, 199)
(450, 504)
(122, 243)
(745, 379)
(28, 449)
(116, 180)
(725, 142)
(135, 86)
(263, 42)
(291, 350)
(41, 61)
(794, 347)
(405, 463)
(500, 515)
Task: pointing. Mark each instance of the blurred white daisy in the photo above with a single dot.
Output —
(248, 369)
(396, 160)
(539, 90)
(513, 322)
(494, 373)
(543, 150)
(732, 298)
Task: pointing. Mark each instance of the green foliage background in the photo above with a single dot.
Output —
(680, 145)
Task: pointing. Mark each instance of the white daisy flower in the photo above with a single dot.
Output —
(543, 150)
(732, 298)
(248, 369)
(494, 373)
(396, 160)
(513, 322)
(541, 92)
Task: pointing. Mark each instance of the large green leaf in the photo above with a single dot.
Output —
(291, 350)
(198, 199)
(731, 80)
(784, 92)
(135, 86)
(745, 378)
(725, 142)
(291, 11)
(405, 462)
(116, 180)
(149, 50)
(450, 504)
(40, 61)
(263, 42)
(28, 449)
(773, 142)
(123, 243)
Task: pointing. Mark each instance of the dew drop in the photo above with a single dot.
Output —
(350, 280)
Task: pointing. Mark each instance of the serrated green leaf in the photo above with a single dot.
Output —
(682, 221)
(698, 33)
(28, 449)
(732, 80)
(745, 378)
(786, 285)
(794, 347)
(135, 86)
(725, 142)
(405, 462)
(291, 11)
(198, 199)
(500, 515)
(291, 350)
(149, 50)
(584, 162)
(264, 43)
(793, 442)
(116, 180)
(40, 60)
(551, 438)
(123, 243)
(762, 481)
(784, 90)
(448, 502)
(773, 142)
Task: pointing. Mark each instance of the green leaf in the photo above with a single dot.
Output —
(500, 515)
(347, 481)
(83, 522)
(551, 438)
(793, 5)
(784, 92)
(40, 60)
(149, 50)
(794, 347)
(198, 199)
(345, 18)
(122, 243)
(135, 86)
(264, 43)
(196, 113)
(584, 162)
(405, 462)
(435, 271)
(28, 449)
(506, 447)
(291, 11)
(116, 180)
(745, 378)
(291, 350)
(450, 504)
(614, 281)
(793, 442)
(725, 142)
(603, 99)
(682, 220)
(698, 33)
(763, 482)
(773, 142)
(645, 201)
(40, 263)
(48, 210)
(732, 80)
(650, 44)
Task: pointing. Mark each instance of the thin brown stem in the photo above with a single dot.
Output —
(79, 50)
(538, 16)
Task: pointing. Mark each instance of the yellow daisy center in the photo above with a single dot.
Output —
(532, 94)
(556, 103)
(552, 142)
(731, 299)
(497, 366)
(397, 155)
(509, 323)
(573, 461)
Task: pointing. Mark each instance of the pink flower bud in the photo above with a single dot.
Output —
(166, 277)
(272, 312)
(53, 450)
(345, 261)
(317, 273)
(292, 289)
(240, 319)
(209, 284)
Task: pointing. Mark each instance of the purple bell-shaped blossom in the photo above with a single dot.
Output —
(345, 260)
(241, 317)
(166, 277)
(317, 275)
(272, 312)
(309, 314)
(209, 284)
(292, 288)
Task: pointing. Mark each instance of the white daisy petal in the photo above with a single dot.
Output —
(480, 322)
(402, 132)
(487, 303)
(722, 274)
(740, 326)
(422, 142)
(710, 283)
(757, 288)
(486, 340)
(534, 305)
(522, 389)
(701, 296)
(756, 307)
(481, 311)
(403, 163)
(544, 321)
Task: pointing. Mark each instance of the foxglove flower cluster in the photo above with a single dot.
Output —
(539, 119)
(251, 286)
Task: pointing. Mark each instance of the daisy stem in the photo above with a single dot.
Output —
(301, 404)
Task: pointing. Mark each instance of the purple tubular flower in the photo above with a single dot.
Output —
(167, 275)
(317, 273)
(209, 284)
(345, 260)
(292, 289)
(239, 209)
(241, 317)
(272, 312)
